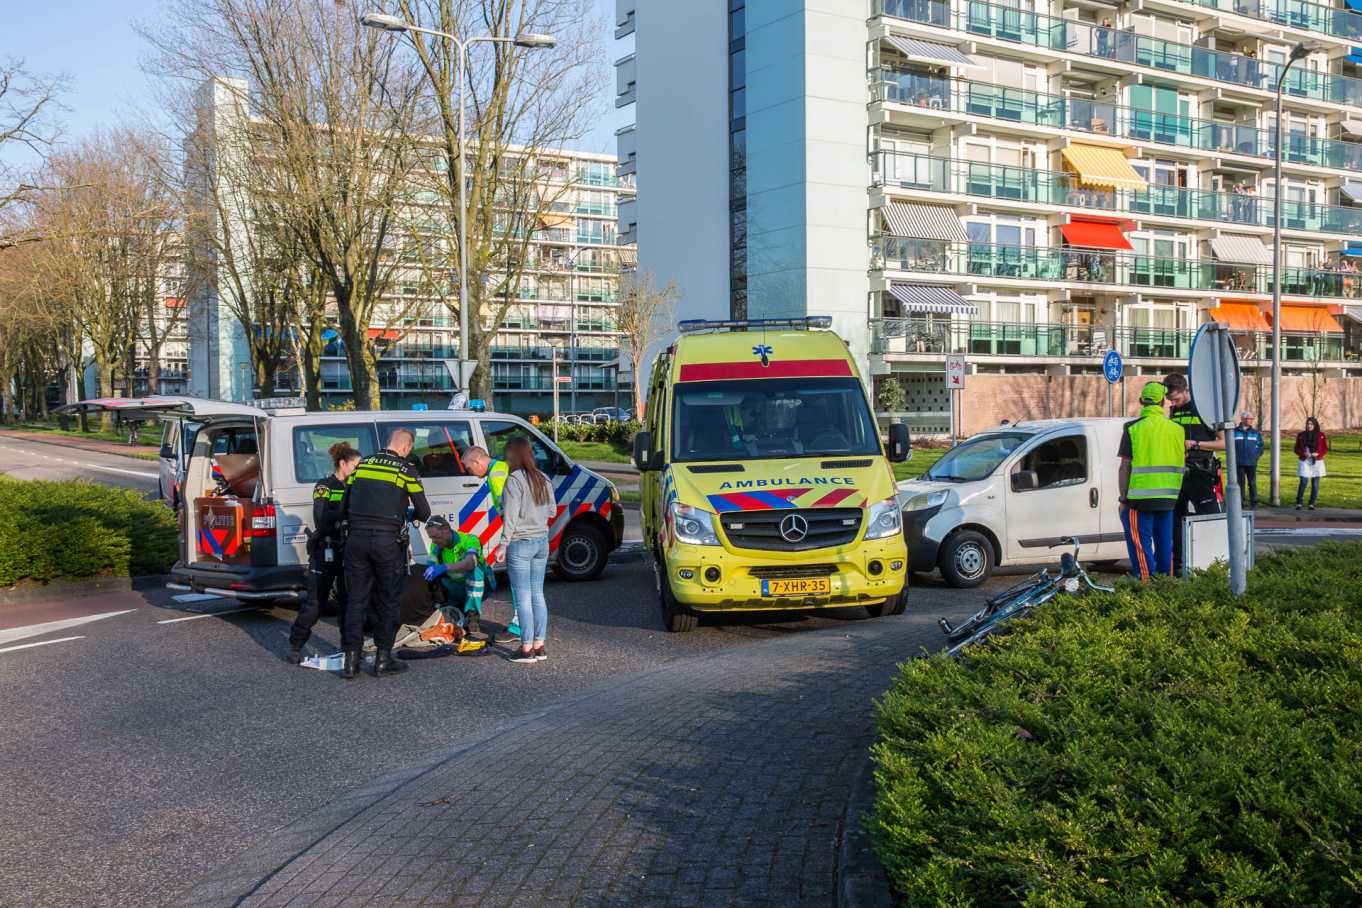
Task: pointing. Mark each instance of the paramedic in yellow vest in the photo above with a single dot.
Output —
(1152, 453)
(485, 466)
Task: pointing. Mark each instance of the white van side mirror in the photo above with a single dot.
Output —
(1025, 481)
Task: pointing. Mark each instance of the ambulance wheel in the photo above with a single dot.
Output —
(894, 605)
(581, 553)
(966, 559)
(675, 618)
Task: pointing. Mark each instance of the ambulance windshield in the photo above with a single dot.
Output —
(772, 417)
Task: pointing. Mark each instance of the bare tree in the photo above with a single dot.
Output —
(27, 102)
(645, 311)
(523, 107)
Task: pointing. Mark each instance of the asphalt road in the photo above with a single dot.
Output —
(37, 460)
(141, 753)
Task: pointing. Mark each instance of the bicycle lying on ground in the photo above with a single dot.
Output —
(1019, 600)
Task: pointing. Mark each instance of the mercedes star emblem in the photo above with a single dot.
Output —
(794, 528)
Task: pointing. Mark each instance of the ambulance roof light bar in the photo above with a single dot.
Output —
(692, 325)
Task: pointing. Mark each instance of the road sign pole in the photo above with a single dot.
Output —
(1109, 412)
(1229, 393)
(553, 374)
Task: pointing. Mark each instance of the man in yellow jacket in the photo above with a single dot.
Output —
(1152, 466)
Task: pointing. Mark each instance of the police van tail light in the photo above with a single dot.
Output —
(262, 522)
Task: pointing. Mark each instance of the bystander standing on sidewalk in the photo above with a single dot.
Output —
(1248, 449)
(1311, 446)
(527, 508)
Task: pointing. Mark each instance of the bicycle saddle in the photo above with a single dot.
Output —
(1067, 564)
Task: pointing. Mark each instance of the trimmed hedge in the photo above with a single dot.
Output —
(613, 432)
(53, 530)
(1163, 745)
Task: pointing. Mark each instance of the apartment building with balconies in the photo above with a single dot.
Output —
(1043, 182)
(561, 319)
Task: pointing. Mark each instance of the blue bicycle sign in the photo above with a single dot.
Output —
(1111, 366)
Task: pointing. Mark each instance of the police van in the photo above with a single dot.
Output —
(765, 482)
(240, 477)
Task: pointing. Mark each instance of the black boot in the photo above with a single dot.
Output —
(385, 664)
(351, 667)
(472, 625)
(295, 654)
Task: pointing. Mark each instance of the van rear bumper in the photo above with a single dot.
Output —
(256, 584)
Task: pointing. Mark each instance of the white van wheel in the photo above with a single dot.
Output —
(966, 559)
(581, 553)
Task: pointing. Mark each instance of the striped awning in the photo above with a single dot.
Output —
(1352, 190)
(929, 51)
(1232, 247)
(923, 222)
(1099, 167)
(930, 298)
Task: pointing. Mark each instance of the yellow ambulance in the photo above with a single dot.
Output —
(765, 482)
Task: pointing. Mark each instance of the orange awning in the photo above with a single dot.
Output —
(1094, 235)
(380, 334)
(1239, 316)
(1308, 318)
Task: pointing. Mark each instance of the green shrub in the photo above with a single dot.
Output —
(614, 432)
(51, 530)
(1159, 746)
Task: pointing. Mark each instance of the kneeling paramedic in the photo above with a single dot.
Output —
(325, 548)
(1152, 468)
(377, 497)
(456, 562)
(495, 472)
(1202, 489)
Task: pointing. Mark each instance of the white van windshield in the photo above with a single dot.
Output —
(974, 459)
(772, 417)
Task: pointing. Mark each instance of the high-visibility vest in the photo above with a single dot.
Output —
(1156, 457)
(497, 474)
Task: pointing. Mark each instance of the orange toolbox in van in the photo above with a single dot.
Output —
(223, 523)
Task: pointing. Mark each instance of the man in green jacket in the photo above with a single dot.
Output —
(456, 562)
(1152, 453)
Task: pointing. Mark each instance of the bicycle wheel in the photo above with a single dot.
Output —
(1011, 592)
(1002, 600)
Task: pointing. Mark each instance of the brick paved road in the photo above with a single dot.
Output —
(721, 779)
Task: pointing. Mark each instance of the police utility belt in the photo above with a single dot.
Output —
(328, 546)
(1199, 461)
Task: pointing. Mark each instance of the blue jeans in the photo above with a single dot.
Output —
(1149, 541)
(1314, 490)
(526, 562)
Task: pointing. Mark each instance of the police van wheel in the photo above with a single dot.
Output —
(891, 606)
(675, 618)
(581, 553)
(966, 559)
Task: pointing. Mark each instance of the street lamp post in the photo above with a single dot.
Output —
(1299, 52)
(388, 23)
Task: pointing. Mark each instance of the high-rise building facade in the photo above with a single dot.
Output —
(1028, 185)
(562, 314)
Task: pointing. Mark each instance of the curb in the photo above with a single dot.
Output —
(861, 880)
(73, 447)
(79, 589)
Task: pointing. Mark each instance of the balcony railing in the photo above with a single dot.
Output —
(1084, 38)
(938, 334)
(1096, 266)
(1019, 105)
(1049, 187)
(1314, 17)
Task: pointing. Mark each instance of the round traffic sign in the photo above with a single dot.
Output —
(1111, 366)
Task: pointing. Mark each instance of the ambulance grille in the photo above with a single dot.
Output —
(761, 529)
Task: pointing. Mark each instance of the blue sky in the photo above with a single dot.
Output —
(92, 42)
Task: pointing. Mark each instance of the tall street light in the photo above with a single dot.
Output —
(388, 23)
(1299, 52)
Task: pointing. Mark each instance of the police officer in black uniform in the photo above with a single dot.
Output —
(325, 547)
(377, 498)
(1201, 488)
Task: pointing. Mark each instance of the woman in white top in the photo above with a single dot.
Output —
(526, 510)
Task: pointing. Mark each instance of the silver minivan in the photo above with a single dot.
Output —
(241, 477)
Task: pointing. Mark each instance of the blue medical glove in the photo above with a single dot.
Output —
(436, 570)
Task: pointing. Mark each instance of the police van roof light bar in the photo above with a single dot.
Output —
(691, 325)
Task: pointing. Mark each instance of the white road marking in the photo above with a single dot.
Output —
(47, 627)
(10, 649)
(1308, 531)
(230, 611)
(95, 466)
(195, 597)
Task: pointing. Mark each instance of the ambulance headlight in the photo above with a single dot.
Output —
(693, 525)
(884, 519)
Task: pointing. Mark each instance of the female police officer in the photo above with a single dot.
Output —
(325, 547)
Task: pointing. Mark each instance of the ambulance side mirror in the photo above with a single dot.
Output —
(643, 452)
(900, 442)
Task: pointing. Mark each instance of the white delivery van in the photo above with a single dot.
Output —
(1005, 496)
(241, 477)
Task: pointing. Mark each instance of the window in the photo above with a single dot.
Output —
(1058, 463)
(311, 444)
(497, 433)
(439, 446)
